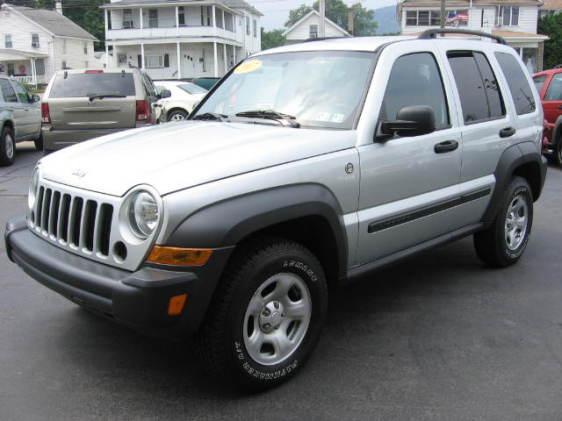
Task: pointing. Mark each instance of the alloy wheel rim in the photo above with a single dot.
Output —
(9, 146)
(277, 319)
(517, 222)
(177, 117)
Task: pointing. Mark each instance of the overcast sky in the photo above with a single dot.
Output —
(276, 12)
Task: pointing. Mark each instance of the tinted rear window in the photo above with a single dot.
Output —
(78, 85)
(518, 84)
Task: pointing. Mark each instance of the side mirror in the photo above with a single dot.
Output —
(410, 121)
(165, 93)
(34, 99)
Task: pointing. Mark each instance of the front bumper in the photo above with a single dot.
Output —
(137, 299)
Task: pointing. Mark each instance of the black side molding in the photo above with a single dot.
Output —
(430, 210)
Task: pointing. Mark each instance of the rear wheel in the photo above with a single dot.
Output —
(267, 315)
(177, 115)
(505, 241)
(39, 142)
(7, 146)
(558, 153)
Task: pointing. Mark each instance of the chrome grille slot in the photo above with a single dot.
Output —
(39, 207)
(45, 210)
(89, 224)
(63, 218)
(104, 228)
(75, 223)
(54, 214)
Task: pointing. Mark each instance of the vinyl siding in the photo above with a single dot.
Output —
(302, 31)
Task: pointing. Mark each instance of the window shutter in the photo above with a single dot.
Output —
(166, 60)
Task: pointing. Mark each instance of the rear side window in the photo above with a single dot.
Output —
(415, 80)
(481, 99)
(78, 85)
(520, 89)
(539, 82)
(555, 89)
(7, 91)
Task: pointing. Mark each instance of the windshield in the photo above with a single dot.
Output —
(192, 89)
(320, 89)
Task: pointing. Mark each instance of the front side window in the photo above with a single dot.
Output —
(539, 82)
(416, 80)
(8, 41)
(8, 91)
(518, 84)
(331, 99)
(554, 92)
(22, 94)
(477, 86)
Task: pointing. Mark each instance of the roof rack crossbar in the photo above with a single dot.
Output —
(432, 34)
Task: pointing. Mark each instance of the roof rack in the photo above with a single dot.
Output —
(432, 34)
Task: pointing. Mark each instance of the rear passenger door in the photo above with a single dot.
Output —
(407, 184)
(487, 128)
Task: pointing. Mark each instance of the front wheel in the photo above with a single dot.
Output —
(177, 115)
(39, 143)
(267, 315)
(505, 241)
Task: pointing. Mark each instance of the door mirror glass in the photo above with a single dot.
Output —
(410, 121)
(165, 93)
(34, 99)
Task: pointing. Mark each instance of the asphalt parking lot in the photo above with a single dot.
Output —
(436, 337)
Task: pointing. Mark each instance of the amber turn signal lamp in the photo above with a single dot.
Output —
(176, 256)
(176, 305)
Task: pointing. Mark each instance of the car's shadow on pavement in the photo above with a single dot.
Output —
(168, 370)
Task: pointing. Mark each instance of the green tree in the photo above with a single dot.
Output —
(272, 39)
(551, 26)
(338, 12)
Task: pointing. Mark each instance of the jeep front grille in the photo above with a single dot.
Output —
(74, 221)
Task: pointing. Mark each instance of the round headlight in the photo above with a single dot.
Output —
(33, 186)
(144, 214)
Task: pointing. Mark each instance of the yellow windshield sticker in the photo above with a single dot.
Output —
(248, 67)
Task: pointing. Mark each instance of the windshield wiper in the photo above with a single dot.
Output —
(210, 117)
(102, 96)
(271, 115)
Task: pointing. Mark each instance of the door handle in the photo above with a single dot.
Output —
(447, 146)
(507, 132)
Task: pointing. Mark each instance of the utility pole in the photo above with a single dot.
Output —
(322, 28)
(443, 12)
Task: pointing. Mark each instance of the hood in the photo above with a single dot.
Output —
(177, 156)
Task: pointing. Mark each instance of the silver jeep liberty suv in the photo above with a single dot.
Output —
(306, 167)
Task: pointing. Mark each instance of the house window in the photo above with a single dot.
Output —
(127, 19)
(248, 29)
(86, 48)
(35, 41)
(153, 18)
(40, 67)
(454, 18)
(181, 16)
(8, 41)
(508, 16)
(411, 18)
(313, 32)
(121, 59)
(219, 19)
(206, 15)
(154, 62)
(255, 28)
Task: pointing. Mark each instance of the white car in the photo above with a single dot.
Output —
(185, 96)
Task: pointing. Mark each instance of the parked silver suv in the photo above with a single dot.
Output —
(232, 226)
(82, 104)
(20, 119)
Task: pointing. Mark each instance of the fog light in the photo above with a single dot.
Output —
(176, 305)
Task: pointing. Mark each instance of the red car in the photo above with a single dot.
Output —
(549, 85)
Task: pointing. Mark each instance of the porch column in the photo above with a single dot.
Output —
(141, 19)
(142, 56)
(214, 17)
(225, 59)
(215, 52)
(234, 54)
(33, 72)
(178, 17)
(106, 20)
(179, 59)
(106, 55)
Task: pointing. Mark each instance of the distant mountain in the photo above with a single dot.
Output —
(386, 18)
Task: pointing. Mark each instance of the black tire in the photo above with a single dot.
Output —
(221, 339)
(492, 246)
(7, 151)
(182, 114)
(39, 142)
(557, 154)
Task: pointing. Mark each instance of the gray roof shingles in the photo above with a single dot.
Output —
(235, 4)
(54, 22)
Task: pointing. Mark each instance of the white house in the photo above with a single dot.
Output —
(179, 39)
(514, 20)
(308, 28)
(34, 43)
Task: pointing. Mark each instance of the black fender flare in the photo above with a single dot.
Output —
(228, 222)
(512, 158)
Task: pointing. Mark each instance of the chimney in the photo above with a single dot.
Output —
(58, 7)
